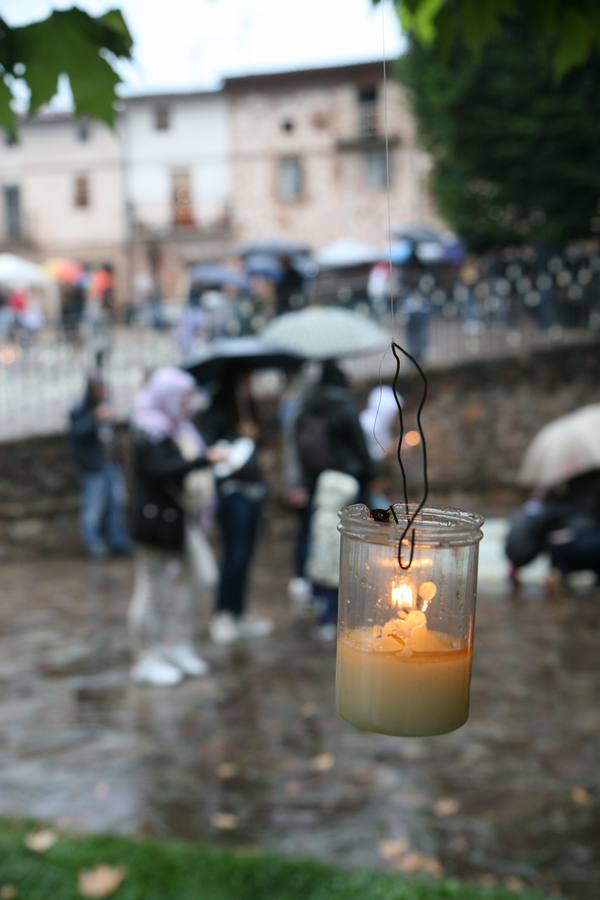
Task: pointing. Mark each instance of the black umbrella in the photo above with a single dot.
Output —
(240, 355)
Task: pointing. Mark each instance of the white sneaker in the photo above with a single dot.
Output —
(184, 657)
(300, 592)
(254, 626)
(154, 669)
(223, 628)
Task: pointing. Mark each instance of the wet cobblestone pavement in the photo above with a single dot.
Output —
(253, 754)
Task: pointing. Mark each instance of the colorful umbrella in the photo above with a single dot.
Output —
(65, 271)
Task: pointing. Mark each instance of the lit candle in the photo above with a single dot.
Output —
(403, 678)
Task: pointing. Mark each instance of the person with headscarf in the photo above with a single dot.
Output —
(171, 508)
(94, 446)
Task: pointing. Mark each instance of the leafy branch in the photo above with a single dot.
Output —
(568, 29)
(68, 42)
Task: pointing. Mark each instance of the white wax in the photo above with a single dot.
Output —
(421, 688)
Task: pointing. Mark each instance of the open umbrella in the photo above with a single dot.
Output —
(18, 272)
(347, 252)
(66, 271)
(216, 275)
(324, 332)
(428, 245)
(264, 265)
(241, 355)
(275, 247)
(563, 449)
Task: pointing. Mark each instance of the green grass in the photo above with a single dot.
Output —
(175, 871)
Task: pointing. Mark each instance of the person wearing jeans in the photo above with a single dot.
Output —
(241, 491)
(93, 441)
(103, 500)
(238, 515)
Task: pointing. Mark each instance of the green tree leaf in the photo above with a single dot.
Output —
(424, 19)
(569, 29)
(72, 43)
(574, 44)
(7, 116)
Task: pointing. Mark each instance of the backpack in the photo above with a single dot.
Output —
(313, 443)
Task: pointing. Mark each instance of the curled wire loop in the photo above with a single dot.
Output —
(397, 350)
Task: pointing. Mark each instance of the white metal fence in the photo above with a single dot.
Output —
(42, 379)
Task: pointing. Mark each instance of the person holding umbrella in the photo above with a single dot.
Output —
(232, 422)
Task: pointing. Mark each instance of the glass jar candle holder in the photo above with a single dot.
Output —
(405, 636)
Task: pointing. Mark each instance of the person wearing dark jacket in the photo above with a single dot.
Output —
(564, 523)
(93, 442)
(241, 491)
(174, 563)
(289, 289)
(334, 468)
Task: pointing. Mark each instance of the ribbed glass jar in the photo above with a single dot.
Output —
(405, 637)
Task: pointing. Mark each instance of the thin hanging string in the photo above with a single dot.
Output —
(397, 350)
(387, 172)
(390, 280)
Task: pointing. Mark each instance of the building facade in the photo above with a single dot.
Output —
(309, 157)
(176, 151)
(62, 191)
(187, 176)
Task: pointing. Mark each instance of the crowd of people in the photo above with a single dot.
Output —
(196, 481)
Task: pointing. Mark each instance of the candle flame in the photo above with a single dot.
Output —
(402, 597)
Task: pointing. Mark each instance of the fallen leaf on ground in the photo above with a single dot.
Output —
(292, 788)
(40, 841)
(581, 796)
(226, 770)
(514, 883)
(392, 847)
(486, 879)
(101, 881)
(418, 862)
(309, 709)
(8, 892)
(225, 821)
(101, 790)
(323, 762)
(447, 806)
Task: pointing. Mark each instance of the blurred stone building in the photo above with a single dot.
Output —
(309, 156)
(188, 175)
(177, 161)
(62, 191)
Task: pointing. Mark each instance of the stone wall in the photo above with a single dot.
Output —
(479, 418)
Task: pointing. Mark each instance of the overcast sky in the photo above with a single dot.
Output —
(192, 43)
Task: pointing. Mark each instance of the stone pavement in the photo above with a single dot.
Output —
(254, 754)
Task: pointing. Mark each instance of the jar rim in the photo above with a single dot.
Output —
(431, 525)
